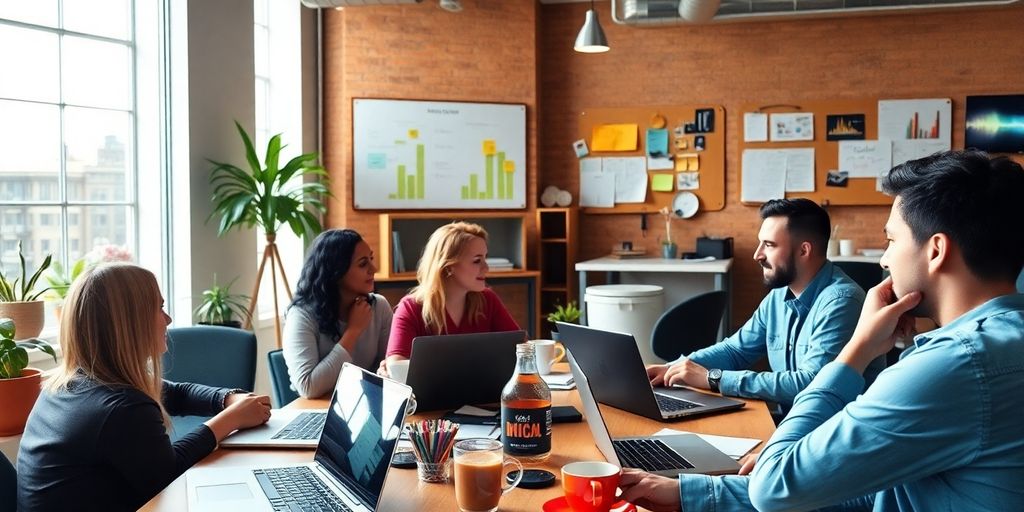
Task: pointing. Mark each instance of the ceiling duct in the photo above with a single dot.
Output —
(675, 12)
(330, 4)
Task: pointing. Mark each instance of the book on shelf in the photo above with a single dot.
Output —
(500, 264)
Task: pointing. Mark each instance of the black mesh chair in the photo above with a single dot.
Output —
(280, 382)
(688, 326)
(867, 275)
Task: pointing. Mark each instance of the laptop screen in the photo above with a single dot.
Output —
(363, 424)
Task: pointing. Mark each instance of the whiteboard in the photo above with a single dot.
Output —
(438, 155)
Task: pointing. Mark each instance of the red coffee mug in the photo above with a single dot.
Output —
(590, 486)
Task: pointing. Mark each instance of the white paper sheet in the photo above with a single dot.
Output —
(764, 175)
(799, 169)
(597, 188)
(915, 119)
(755, 127)
(630, 177)
(659, 163)
(905, 150)
(734, 447)
(865, 158)
(792, 126)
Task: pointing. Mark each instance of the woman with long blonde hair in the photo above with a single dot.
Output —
(452, 296)
(97, 437)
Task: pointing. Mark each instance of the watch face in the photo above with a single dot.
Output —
(715, 374)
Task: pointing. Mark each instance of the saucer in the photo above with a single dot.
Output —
(560, 505)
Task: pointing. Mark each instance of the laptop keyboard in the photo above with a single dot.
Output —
(649, 455)
(297, 489)
(671, 404)
(307, 425)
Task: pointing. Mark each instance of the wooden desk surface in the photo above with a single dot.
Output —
(570, 442)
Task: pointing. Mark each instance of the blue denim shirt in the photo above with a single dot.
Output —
(798, 334)
(940, 430)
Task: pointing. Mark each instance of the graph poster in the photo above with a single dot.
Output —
(916, 119)
(438, 155)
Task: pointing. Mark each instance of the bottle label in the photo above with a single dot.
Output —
(526, 431)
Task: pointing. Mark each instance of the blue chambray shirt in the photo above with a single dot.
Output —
(940, 430)
(820, 321)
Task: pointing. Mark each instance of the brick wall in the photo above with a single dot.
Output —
(519, 51)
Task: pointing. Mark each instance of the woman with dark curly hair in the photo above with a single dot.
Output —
(335, 317)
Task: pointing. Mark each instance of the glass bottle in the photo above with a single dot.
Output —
(526, 410)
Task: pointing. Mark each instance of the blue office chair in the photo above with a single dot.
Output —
(8, 485)
(222, 357)
(281, 385)
(688, 326)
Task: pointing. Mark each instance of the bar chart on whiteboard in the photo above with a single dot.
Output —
(438, 155)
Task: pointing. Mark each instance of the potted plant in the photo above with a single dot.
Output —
(270, 196)
(569, 313)
(19, 386)
(219, 306)
(60, 282)
(19, 300)
(668, 247)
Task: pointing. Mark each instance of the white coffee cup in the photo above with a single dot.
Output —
(399, 370)
(846, 247)
(545, 351)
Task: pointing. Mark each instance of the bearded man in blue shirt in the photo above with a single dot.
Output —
(940, 429)
(800, 326)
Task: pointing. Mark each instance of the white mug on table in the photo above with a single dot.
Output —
(545, 351)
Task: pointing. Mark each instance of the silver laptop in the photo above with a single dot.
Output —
(662, 455)
(363, 425)
(613, 360)
(287, 428)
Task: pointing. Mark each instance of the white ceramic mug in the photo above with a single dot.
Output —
(399, 370)
(545, 351)
(846, 247)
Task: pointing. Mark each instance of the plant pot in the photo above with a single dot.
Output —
(17, 396)
(28, 318)
(668, 251)
(555, 336)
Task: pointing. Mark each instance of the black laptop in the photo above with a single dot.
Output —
(450, 371)
(618, 377)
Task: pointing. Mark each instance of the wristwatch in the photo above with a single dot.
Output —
(714, 377)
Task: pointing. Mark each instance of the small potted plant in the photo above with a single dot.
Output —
(60, 282)
(19, 300)
(19, 386)
(569, 314)
(668, 247)
(219, 306)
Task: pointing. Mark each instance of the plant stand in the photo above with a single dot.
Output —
(270, 253)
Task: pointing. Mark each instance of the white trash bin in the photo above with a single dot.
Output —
(628, 308)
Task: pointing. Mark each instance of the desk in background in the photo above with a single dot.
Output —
(570, 442)
(680, 278)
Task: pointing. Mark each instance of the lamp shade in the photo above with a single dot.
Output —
(591, 38)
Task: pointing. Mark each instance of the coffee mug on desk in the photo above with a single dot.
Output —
(479, 465)
(546, 351)
(590, 486)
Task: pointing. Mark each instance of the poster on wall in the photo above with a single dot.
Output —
(438, 155)
(995, 123)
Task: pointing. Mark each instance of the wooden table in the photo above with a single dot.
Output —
(570, 442)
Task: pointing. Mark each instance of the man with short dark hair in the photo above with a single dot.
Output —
(939, 430)
(800, 325)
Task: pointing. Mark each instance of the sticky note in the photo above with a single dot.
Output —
(614, 137)
(376, 161)
(509, 166)
(662, 182)
(414, 133)
(693, 163)
(682, 163)
(490, 147)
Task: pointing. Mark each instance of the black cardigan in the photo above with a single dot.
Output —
(94, 447)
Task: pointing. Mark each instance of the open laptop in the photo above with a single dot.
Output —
(613, 362)
(461, 369)
(662, 455)
(287, 428)
(363, 425)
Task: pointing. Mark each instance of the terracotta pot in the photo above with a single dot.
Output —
(17, 396)
(28, 318)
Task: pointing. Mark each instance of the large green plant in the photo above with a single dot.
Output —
(61, 280)
(265, 194)
(13, 354)
(22, 288)
(219, 305)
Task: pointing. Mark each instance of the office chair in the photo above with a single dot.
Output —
(865, 274)
(222, 357)
(1020, 282)
(280, 382)
(688, 326)
(8, 485)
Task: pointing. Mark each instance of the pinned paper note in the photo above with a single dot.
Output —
(865, 158)
(688, 180)
(490, 147)
(763, 175)
(693, 163)
(662, 183)
(597, 188)
(755, 127)
(630, 177)
(657, 142)
(614, 137)
(659, 163)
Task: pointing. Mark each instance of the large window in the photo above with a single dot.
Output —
(67, 128)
